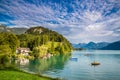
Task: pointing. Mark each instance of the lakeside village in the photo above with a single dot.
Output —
(24, 55)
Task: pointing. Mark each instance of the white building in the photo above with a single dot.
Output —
(23, 51)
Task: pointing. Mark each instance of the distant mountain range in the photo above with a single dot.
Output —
(100, 45)
(112, 46)
(13, 30)
(90, 45)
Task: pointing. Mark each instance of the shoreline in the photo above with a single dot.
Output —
(16, 70)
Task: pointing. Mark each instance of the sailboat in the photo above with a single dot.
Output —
(95, 63)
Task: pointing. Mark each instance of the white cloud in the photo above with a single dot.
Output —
(82, 21)
(91, 16)
(93, 27)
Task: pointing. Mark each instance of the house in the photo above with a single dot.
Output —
(23, 51)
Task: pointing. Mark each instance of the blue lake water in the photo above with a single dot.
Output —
(78, 65)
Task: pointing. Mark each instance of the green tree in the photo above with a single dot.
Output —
(9, 39)
(1, 39)
(13, 42)
(5, 53)
(52, 46)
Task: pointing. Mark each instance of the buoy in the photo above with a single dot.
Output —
(95, 63)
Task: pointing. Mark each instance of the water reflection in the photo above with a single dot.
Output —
(54, 63)
(22, 61)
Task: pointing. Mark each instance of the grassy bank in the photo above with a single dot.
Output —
(12, 73)
(19, 75)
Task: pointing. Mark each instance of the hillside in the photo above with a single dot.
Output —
(112, 46)
(47, 34)
(3, 28)
(44, 40)
(90, 45)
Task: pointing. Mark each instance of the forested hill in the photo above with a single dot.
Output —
(47, 33)
(45, 40)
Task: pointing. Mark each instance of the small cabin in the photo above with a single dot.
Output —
(23, 51)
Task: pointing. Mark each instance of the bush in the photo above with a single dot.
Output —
(4, 59)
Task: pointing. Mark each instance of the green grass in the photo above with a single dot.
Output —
(19, 75)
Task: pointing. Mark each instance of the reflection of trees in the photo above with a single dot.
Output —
(53, 63)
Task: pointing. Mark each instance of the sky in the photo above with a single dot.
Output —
(78, 20)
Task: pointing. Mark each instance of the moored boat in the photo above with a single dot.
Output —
(95, 63)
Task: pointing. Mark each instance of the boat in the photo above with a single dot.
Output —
(95, 63)
(74, 59)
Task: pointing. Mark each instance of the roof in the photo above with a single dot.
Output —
(23, 49)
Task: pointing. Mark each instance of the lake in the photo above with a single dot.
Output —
(77, 66)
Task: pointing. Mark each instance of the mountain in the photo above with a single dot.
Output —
(90, 45)
(43, 38)
(80, 45)
(102, 44)
(42, 31)
(112, 46)
(17, 30)
(3, 28)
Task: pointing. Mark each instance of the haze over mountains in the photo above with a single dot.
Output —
(91, 45)
(13, 30)
(112, 46)
(100, 45)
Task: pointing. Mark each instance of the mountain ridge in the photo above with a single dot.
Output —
(15, 30)
(112, 46)
(90, 45)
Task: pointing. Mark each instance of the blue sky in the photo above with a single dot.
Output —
(77, 20)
